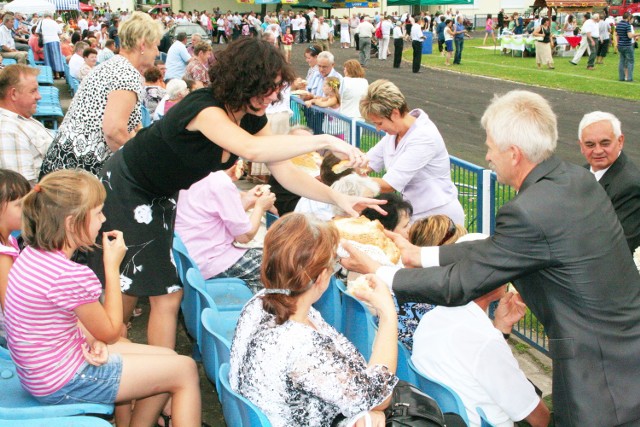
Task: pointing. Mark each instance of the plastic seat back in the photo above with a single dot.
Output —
(447, 399)
(330, 305)
(216, 348)
(355, 325)
(484, 422)
(17, 404)
(237, 410)
(146, 117)
(402, 371)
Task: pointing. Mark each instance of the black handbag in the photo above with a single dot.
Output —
(39, 34)
(411, 407)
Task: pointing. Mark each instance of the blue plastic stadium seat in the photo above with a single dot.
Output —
(330, 305)
(229, 294)
(59, 421)
(18, 404)
(355, 324)
(402, 371)
(237, 410)
(216, 346)
(447, 399)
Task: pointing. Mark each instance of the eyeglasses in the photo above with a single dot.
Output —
(450, 232)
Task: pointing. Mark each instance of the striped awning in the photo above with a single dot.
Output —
(66, 4)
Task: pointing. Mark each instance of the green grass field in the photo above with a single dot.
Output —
(487, 62)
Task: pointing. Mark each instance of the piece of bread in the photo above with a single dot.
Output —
(367, 232)
(263, 189)
(340, 167)
(361, 284)
(239, 168)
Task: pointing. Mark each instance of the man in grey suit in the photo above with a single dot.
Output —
(560, 243)
(601, 142)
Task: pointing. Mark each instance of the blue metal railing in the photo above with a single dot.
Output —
(479, 192)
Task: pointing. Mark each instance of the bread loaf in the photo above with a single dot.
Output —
(365, 231)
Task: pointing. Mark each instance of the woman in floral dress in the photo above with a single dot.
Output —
(203, 133)
(287, 360)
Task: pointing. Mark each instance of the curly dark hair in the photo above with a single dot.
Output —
(248, 67)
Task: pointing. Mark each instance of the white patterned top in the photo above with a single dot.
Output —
(300, 376)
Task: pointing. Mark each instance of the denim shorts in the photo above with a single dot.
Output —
(91, 384)
(449, 45)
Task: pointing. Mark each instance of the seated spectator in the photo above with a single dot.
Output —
(38, 51)
(435, 230)
(66, 48)
(77, 60)
(210, 229)
(198, 68)
(176, 90)
(90, 57)
(24, 140)
(154, 89)
(286, 360)
(351, 184)
(7, 43)
(461, 348)
(108, 52)
(398, 211)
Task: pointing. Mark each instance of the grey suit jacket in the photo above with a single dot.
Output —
(622, 184)
(560, 243)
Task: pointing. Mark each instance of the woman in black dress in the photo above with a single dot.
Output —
(205, 132)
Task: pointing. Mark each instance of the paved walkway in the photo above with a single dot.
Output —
(456, 102)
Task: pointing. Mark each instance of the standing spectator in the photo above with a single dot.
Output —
(221, 29)
(569, 26)
(322, 34)
(500, 21)
(53, 52)
(344, 32)
(295, 28)
(365, 31)
(416, 44)
(587, 43)
(38, 51)
(7, 43)
(198, 67)
(353, 89)
(544, 45)
(105, 112)
(383, 49)
(287, 43)
(398, 43)
(518, 23)
(459, 33)
(113, 32)
(412, 153)
(488, 30)
(90, 57)
(353, 29)
(440, 32)
(23, 140)
(604, 31)
(448, 40)
(177, 58)
(626, 36)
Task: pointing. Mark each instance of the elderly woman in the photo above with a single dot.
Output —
(203, 133)
(290, 363)
(51, 38)
(90, 57)
(353, 89)
(198, 67)
(105, 112)
(412, 153)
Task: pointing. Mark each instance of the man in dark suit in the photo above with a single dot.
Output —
(601, 143)
(560, 243)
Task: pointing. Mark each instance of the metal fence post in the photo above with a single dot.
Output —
(486, 209)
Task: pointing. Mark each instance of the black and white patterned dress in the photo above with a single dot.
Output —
(80, 142)
(300, 376)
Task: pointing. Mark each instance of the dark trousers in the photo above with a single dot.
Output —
(440, 45)
(398, 44)
(356, 38)
(459, 43)
(417, 55)
(593, 52)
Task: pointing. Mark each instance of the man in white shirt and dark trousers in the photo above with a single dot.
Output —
(589, 28)
(398, 43)
(416, 43)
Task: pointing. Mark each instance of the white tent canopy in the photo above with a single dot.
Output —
(29, 7)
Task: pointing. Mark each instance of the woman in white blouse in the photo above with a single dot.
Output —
(353, 89)
(285, 359)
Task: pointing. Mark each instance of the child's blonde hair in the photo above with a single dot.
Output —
(61, 194)
(334, 83)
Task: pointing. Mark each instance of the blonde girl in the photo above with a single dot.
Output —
(48, 295)
(331, 98)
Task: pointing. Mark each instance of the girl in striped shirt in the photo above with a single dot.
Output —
(63, 340)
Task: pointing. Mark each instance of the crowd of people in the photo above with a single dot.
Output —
(98, 206)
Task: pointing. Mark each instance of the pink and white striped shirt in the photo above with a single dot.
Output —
(42, 329)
